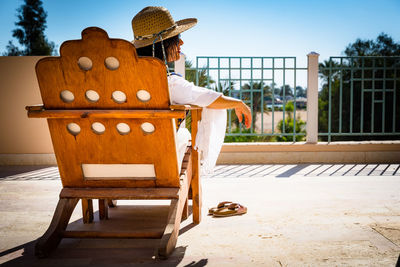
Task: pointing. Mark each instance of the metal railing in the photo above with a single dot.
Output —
(255, 80)
(359, 98)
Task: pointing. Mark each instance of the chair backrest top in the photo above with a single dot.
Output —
(98, 72)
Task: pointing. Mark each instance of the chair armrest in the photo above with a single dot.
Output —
(38, 107)
(40, 112)
(184, 107)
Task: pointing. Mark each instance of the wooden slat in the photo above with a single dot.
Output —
(122, 114)
(120, 193)
(40, 107)
(186, 159)
(151, 234)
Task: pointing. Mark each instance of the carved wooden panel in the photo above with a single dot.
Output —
(82, 67)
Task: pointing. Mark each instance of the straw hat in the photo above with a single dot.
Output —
(153, 21)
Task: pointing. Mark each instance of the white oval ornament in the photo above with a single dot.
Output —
(92, 96)
(67, 96)
(143, 95)
(98, 128)
(119, 97)
(85, 63)
(73, 128)
(147, 127)
(111, 63)
(123, 128)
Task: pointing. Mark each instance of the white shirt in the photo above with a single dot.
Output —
(211, 128)
(183, 92)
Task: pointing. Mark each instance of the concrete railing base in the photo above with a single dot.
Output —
(271, 153)
(296, 153)
(308, 157)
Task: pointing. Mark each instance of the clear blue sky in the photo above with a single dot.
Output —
(229, 28)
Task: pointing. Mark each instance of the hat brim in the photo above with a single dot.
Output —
(181, 26)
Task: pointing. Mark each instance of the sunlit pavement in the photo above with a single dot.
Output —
(298, 215)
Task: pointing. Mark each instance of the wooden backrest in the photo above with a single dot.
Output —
(90, 74)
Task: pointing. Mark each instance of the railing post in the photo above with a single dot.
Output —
(180, 65)
(312, 98)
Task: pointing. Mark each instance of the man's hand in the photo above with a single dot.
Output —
(244, 110)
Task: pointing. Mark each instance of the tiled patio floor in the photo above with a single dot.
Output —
(17, 173)
(298, 215)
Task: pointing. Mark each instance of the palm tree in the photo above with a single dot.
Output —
(203, 79)
(324, 70)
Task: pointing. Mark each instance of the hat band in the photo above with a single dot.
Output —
(150, 36)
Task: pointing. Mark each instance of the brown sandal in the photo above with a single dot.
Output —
(220, 205)
(230, 210)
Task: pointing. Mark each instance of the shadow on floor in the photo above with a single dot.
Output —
(107, 252)
(305, 170)
(71, 253)
(28, 173)
(6, 171)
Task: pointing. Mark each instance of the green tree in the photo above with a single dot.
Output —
(288, 91)
(384, 45)
(301, 92)
(30, 31)
(247, 138)
(289, 125)
(343, 81)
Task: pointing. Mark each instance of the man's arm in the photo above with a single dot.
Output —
(225, 102)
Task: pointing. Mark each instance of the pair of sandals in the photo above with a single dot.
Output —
(227, 208)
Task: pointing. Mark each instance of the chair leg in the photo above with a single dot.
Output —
(196, 184)
(87, 210)
(170, 236)
(196, 197)
(112, 203)
(53, 235)
(103, 209)
(185, 213)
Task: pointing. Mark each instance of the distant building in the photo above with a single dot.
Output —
(301, 102)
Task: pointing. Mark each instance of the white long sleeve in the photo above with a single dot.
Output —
(183, 92)
(211, 128)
